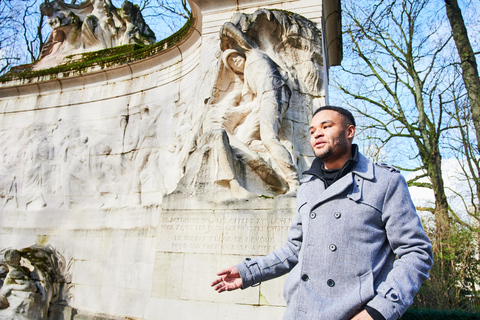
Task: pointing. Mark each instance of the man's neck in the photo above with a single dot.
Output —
(337, 163)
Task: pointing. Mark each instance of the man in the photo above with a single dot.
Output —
(356, 248)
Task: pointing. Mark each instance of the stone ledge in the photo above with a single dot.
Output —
(83, 65)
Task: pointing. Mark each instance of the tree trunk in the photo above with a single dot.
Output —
(468, 62)
(442, 219)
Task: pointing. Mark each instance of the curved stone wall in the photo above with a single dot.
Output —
(91, 166)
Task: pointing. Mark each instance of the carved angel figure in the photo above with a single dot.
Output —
(242, 137)
(263, 80)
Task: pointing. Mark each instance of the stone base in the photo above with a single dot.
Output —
(157, 262)
(165, 309)
(196, 239)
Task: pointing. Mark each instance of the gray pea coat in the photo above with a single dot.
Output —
(359, 242)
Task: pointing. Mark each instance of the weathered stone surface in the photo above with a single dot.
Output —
(130, 141)
(94, 166)
(268, 59)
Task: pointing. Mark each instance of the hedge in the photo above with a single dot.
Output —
(425, 314)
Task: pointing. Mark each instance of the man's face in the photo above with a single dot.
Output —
(330, 138)
(236, 62)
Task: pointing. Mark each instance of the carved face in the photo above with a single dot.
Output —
(331, 138)
(236, 62)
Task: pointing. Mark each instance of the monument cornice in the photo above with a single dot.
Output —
(164, 54)
(235, 5)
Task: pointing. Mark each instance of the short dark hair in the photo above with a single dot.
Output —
(347, 115)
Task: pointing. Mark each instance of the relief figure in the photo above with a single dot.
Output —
(241, 138)
(38, 155)
(89, 26)
(263, 79)
(142, 143)
(74, 171)
(34, 284)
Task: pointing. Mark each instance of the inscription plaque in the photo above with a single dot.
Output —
(240, 231)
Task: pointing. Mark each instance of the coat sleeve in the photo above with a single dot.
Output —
(277, 263)
(412, 249)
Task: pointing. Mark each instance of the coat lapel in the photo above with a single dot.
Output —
(362, 170)
(337, 188)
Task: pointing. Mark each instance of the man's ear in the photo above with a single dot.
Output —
(350, 131)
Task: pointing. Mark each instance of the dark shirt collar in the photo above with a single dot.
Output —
(330, 176)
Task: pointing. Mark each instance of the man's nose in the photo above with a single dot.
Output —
(318, 133)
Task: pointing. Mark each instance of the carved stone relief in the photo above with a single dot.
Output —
(68, 165)
(89, 26)
(34, 284)
(235, 134)
(266, 59)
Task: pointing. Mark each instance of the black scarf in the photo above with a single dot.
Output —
(330, 176)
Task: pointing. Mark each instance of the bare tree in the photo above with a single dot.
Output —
(9, 30)
(400, 77)
(22, 31)
(33, 28)
(467, 60)
(398, 83)
(462, 142)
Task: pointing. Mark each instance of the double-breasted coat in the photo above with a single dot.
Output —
(359, 242)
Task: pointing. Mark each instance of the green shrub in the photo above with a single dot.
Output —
(426, 314)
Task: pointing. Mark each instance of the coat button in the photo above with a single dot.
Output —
(333, 247)
(337, 215)
(313, 215)
(330, 283)
(305, 278)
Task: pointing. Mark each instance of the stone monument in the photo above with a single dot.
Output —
(149, 176)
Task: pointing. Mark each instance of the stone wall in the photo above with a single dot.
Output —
(91, 166)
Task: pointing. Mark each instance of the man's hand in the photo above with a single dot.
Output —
(362, 316)
(228, 280)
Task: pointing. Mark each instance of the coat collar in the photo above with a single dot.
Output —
(317, 167)
(363, 170)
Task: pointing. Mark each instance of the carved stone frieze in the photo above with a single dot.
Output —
(236, 131)
(64, 165)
